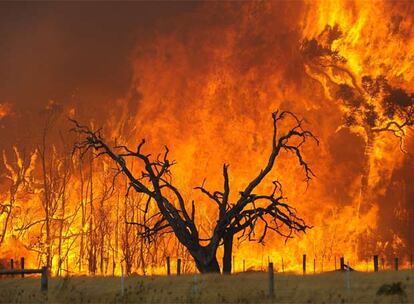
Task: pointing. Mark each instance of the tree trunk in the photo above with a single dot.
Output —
(228, 251)
(205, 258)
(46, 197)
(365, 199)
(9, 212)
(83, 217)
(211, 266)
(92, 220)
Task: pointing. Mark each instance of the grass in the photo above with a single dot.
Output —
(238, 288)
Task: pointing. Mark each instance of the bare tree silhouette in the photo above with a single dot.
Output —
(167, 212)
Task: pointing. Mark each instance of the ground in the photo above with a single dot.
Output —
(335, 287)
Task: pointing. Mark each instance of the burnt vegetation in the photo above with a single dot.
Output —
(248, 215)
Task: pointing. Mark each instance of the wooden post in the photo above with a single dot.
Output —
(22, 265)
(244, 266)
(304, 264)
(348, 278)
(396, 264)
(271, 281)
(168, 266)
(43, 279)
(283, 266)
(342, 263)
(12, 266)
(178, 266)
(314, 266)
(375, 263)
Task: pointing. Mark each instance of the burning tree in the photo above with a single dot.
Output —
(250, 213)
(20, 175)
(370, 104)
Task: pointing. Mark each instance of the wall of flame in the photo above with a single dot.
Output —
(204, 83)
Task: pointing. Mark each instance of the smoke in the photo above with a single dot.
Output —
(77, 54)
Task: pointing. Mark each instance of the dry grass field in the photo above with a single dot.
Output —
(238, 288)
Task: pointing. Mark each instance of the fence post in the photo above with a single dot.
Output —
(304, 264)
(342, 263)
(168, 266)
(376, 263)
(43, 279)
(178, 266)
(396, 264)
(283, 266)
(12, 266)
(22, 265)
(244, 266)
(271, 280)
(348, 279)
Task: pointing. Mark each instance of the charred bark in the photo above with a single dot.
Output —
(228, 252)
(211, 266)
(206, 260)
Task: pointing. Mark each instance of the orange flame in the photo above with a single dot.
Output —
(205, 88)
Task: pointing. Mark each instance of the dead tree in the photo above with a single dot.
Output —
(19, 174)
(244, 215)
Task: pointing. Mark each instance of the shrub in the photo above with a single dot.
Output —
(392, 289)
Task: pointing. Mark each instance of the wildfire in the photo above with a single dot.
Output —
(5, 110)
(205, 88)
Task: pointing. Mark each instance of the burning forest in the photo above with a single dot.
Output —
(225, 134)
